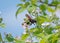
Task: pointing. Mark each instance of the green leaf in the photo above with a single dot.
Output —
(23, 0)
(42, 19)
(19, 41)
(55, 2)
(20, 10)
(46, 1)
(1, 20)
(46, 38)
(33, 2)
(24, 36)
(2, 25)
(0, 37)
(36, 31)
(31, 8)
(58, 7)
(43, 41)
(57, 27)
(9, 37)
(23, 5)
(20, 5)
(44, 13)
(43, 7)
(50, 29)
(53, 38)
(41, 35)
(26, 4)
(50, 9)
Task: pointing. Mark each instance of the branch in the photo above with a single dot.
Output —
(47, 4)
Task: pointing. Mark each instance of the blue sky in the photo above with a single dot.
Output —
(13, 25)
(8, 9)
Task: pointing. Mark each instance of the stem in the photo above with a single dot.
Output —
(37, 20)
(30, 36)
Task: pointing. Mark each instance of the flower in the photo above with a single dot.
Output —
(55, 31)
(18, 37)
(45, 24)
(28, 40)
(25, 25)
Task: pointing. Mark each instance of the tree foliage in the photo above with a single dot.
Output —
(1, 22)
(47, 27)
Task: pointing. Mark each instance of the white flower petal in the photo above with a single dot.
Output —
(45, 24)
(28, 40)
(18, 37)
